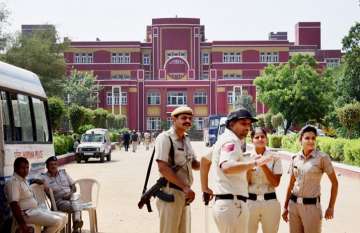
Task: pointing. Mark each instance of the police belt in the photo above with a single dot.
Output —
(304, 200)
(266, 196)
(230, 197)
(174, 186)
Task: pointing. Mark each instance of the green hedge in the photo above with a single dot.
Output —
(275, 141)
(352, 152)
(291, 143)
(63, 144)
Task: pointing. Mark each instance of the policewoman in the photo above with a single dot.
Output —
(302, 204)
(230, 166)
(263, 205)
(175, 216)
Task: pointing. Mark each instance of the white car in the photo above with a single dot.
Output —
(95, 143)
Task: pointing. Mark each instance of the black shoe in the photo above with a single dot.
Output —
(77, 224)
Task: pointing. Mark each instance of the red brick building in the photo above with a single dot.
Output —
(176, 65)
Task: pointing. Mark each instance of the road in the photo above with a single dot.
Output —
(122, 181)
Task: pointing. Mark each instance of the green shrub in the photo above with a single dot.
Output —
(337, 149)
(352, 152)
(78, 116)
(63, 144)
(261, 121)
(100, 116)
(324, 144)
(56, 111)
(291, 142)
(82, 129)
(114, 136)
(275, 141)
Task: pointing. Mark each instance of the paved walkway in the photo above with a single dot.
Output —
(122, 181)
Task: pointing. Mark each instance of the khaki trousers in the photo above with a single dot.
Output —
(174, 216)
(52, 221)
(134, 146)
(265, 212)
(70, 207)
(231, 216)
(304, 218)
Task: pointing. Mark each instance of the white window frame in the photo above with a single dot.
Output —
(199, 122)
(153, 98)
(332, 62)
(202, 95)
(153, 123)
(176, 95)
(116, 98)
(205, 58)
(146, 59)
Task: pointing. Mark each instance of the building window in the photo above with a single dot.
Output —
(110, 98)
(199, 123)
(232, 76)
(176, 53)
(169, 122)
(120, 58)
(146, 59)
(205, 58)
(83, 58)
(120, 77)
(230, 97)
(153, 123)
(231, 57)
(332, 62)
(176, 98)
(153, 98)
(269, 57)
(204, 76)
(200, 97)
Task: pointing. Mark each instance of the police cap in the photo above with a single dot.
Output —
(240, 113)
(182, 110)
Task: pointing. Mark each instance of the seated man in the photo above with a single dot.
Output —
(63, 188)
(24, 206)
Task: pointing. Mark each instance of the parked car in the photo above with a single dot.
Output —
(94, 143)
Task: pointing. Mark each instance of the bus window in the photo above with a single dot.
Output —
(22, 118)
(5, 116)
(42, 130)
(214, 123)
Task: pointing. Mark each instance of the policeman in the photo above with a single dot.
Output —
(230, 166)
(24, 206)
(175, 216)
(263, 206)
(63, 188)
(302, 204)
(147, 140)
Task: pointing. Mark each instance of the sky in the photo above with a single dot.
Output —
(119, 20)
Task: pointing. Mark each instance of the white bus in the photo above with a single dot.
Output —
(24, 125)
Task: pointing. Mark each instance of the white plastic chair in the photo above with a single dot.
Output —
(88, 200)
(54, 208)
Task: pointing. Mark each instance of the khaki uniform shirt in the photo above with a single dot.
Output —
(60, 184)
(17, 189)
(183, 153)
(259, 184)
(308, 172)
(228, 148)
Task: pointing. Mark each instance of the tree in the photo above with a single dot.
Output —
(81, 88)
(246, 101)
(261, 121)
(277, 120)
(4, 16)
(349, 116)
(56, 111)
(350, 82)
(296, 90)
(267, 121)
(41, 53)
(78, 116)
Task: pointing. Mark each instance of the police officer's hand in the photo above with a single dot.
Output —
(329, 213)
(285, 215)
(189, 195)
(263, 160)
(207, 195)
(67, 196)
(24, 229)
